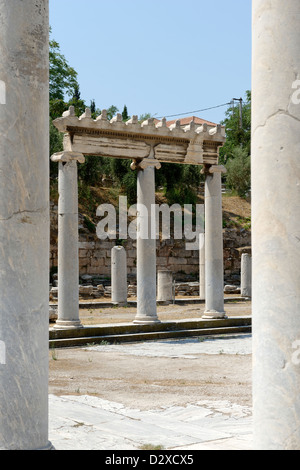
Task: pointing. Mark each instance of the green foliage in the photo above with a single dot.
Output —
(77, 102)
(55, 145)
(62, 79)
(235, 135)
(239, 172)
(125, 115)
(111, 112)
(235, 154)
(124, 177)
(180, 182)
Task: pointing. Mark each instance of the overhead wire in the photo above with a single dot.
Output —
(196, 111)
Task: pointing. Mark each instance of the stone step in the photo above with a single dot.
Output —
(135, 333)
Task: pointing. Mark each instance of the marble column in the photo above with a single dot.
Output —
(119, 275)
(24, 224)
(165, 286)
(276, 224)
(214, 271)
(246, 275)
(202, 266)
(146, 243)
(68, 262)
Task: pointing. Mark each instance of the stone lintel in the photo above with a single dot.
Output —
(196, 145)
(66, 157)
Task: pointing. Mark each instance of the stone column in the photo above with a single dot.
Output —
(119, 275)
(276, 224)
(24, 224)
(165, 286)
(246, 275)
(146, 245)
(202, 266)
(68, 262)
(214, 271)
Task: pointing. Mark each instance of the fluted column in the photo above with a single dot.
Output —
(24, 224)
(68, 262)
(275, 158)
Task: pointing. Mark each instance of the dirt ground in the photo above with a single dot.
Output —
(148, 382)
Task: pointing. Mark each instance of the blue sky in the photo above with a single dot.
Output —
(162, 57)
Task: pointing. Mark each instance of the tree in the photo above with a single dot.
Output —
(125, 116)
(239, 172)
(62, 77)
(77, 102)
(237, 136)
(235, 154)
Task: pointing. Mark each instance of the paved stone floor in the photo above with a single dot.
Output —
(85, 422)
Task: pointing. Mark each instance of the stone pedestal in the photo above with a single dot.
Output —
(146, 246)
(119, 275)
(68, 263)
(276, 224)
(165, 286)
(214, 271)
(24, 224)
(246, 275)
(202, 266)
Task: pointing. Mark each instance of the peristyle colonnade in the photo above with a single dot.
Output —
(148, 145)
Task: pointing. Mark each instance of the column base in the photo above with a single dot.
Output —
(213, 314)
(67, 324)
(141, 320)
(115, 303)
(48, 446)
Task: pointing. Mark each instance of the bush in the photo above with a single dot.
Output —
(238, 168)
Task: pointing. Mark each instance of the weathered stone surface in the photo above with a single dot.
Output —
(214, 266)
(24, 224)
(276, 224)
(131, 140)
(118, 275)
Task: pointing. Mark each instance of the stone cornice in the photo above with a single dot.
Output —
(192, 144)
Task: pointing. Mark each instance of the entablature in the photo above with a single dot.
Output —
(192, 144)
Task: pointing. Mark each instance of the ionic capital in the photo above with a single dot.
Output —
(145, 163)
(211, 169)
(66, 157)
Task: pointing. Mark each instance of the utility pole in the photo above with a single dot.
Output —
(241, 110)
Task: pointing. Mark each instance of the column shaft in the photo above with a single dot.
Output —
(119, 275)
(214, 272)
(276, 224)
(146, 248)
(24, 224)
(246, 275)
(165, 286)
(202, 266)
(68, 262)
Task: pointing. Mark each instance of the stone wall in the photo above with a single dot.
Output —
(95, 254)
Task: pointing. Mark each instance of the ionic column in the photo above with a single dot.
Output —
(214, 271)
(146, 245)
(202, 266)
(276, 224)
(24, 224)
(68, 263)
